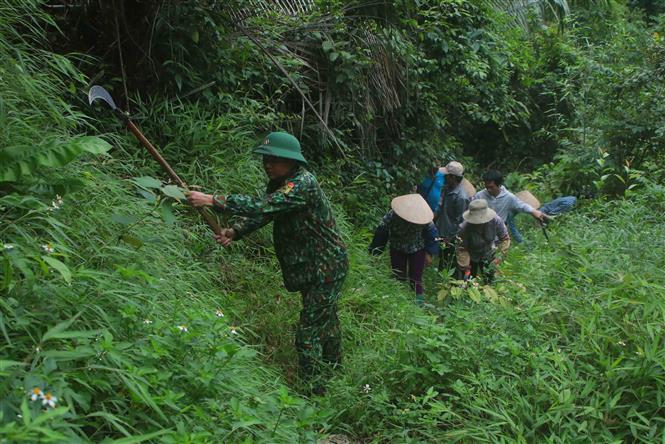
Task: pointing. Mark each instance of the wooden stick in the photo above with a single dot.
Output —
(209, 218)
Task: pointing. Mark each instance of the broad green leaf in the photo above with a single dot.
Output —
(456, 292)
(491, 294)
(92, 144)
(174, 192)
(62, 268)
(3, 328)
(147, 182)
(474, 294)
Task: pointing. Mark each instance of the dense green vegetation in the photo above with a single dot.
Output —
(115, 300)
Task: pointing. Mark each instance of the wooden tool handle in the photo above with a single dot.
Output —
(209, 218)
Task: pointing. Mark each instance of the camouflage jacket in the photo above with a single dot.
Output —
(409, 238)
(308, 245)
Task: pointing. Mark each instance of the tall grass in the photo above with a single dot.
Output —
(576, 355)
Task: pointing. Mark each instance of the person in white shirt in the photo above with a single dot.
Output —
(502, 201)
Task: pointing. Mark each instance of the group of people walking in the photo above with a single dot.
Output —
(471, 229)
(442, 220)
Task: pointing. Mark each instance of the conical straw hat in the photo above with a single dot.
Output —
(526, 197)
(412, 208)
(478, 212)
(469, 188)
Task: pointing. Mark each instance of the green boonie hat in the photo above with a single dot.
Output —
(280, 144)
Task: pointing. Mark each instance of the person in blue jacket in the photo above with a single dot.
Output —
(431, 186)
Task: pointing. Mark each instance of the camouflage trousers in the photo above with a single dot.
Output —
(318, 337)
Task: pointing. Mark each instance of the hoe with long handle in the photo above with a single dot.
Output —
(97, 92)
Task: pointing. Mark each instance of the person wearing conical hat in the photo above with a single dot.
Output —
(454, 201)
(308, 245)
(412, 237)
(481, 236)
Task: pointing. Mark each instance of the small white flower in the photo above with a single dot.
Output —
(147, 321)
(36, 393)
(621, 343)
(183, 328)
(56, 204)
(7, 247)
(367, 388)
(37, 349)
(219, 313)
(47, 248)
(49, 400)
(234, 331)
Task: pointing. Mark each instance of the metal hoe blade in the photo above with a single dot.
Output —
(98, 92)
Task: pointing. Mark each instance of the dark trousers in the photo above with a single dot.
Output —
(411, 265)
(318, 337)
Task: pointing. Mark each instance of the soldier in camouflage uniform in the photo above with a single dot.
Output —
(308, 245)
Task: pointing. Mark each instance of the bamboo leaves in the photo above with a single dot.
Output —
(20, 162)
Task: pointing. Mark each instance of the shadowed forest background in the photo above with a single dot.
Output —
(116, 301)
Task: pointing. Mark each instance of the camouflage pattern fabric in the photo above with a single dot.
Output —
(409, 238)
(308, 245)
(318, 338)
(311, 253)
